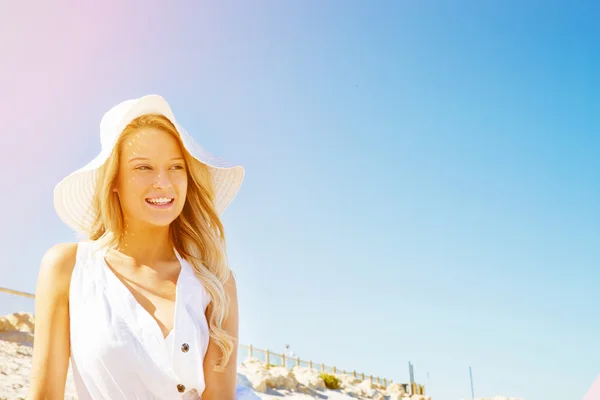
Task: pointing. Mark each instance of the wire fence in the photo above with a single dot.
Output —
(272, 359)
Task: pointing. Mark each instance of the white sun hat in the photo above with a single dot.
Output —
(74, 194)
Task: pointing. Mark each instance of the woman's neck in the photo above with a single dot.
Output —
(146, 245)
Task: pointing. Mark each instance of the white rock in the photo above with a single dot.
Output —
(18, 322)
(395, 388)
(366, 385)
(255, 373)
(308, 377)
(366, 388)
(252, 364)
(348, 381)
(281, 378)
(260, 385)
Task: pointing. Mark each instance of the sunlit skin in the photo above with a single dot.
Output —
(151, 165)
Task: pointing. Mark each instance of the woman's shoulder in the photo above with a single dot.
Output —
(57, 267)
(60, 256)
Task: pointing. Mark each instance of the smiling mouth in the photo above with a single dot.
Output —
(159, 201)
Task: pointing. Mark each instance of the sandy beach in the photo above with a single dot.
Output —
(299, 383)
(16, 348)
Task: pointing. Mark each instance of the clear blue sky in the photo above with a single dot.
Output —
(422, 177)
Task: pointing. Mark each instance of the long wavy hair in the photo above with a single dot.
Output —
(197, 233)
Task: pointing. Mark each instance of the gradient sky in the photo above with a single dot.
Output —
(421, 177)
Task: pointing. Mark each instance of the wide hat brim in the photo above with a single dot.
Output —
(74, 194)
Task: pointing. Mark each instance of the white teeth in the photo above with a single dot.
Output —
(159, 200)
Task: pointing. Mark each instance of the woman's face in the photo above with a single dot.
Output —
(151, 180)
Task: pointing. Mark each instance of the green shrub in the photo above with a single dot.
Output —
(331, 381)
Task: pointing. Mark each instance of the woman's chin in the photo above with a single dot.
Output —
(161, 221)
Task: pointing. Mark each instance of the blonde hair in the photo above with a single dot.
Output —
(197, 233)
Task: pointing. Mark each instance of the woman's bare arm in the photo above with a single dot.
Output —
(222, 385)
(50, 362)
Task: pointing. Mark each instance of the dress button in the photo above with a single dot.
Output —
(180, 388)
(185, 347)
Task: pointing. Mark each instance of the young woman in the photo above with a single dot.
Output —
(144, 307)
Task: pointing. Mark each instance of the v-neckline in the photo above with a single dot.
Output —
(137, 303)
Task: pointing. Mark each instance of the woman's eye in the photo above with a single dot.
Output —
(148, 168)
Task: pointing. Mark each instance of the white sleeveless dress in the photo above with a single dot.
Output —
(118, 351)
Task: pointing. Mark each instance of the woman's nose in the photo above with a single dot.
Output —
(162, 181)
